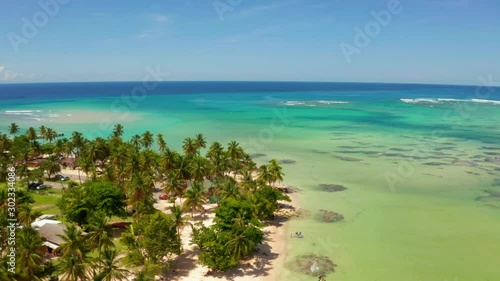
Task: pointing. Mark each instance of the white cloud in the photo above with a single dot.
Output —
(8, 75)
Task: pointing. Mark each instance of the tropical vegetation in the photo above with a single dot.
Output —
(118, 180)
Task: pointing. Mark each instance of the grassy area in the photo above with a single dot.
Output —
(121, 248)
(114, 219)
(45, 201)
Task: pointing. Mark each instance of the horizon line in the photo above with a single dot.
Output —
(246, 81)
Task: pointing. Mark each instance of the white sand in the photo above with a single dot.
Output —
(266, 265)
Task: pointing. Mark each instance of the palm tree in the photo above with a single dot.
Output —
(235, 153)
(264, 175)
(35, 149)
(219, 166)
(234, 150)
(43, 132)
(110, 267)
(162, 144)
(275, 171)
(109, 173)
(215, 150)
(189, 147)
(100, 236)
(51, 166)
(136, 141)
(247, 182)
(27, 215)
(87, 166)
(77, 143)
(31, 134)
(60, 147)
(198, 168)
(248, 162)
(140, 194)
(29, 246)
(200, 141)
(133, 164)
(168, 160)
(76, 146)
(13, 129)
(73, 245)
(94, 150)
(72, 268)
(150, 161)
(181, 168)
(118, 131)
(230, 188)
(5, 275)
(4, 142)
(240, 245)
(174, 185)
(50, 135)
(240, 222)
(147, 139)
(194, 198)
(180, 220)
(118, 160)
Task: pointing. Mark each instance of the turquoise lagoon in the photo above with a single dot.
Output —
(421, 162)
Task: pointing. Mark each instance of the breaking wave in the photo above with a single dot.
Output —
(428, 101)
(313, 103)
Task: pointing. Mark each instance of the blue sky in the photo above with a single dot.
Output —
(429, 41)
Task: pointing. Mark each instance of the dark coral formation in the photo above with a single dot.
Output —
(332, 187)
(313, 265)
(492, 195)
(330, 216)
(287, 161)
(257, 155)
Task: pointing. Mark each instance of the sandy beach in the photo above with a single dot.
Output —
(266, 265)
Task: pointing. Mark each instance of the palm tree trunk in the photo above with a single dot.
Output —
(79, 177)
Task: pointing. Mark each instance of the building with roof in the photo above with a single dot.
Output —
(51, 232)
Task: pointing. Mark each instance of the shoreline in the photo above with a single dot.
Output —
(265, 265)
(283, 237)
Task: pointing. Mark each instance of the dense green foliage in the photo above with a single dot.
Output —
(151, 239)
(212, 246)
(118, 178)
(78, 203)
